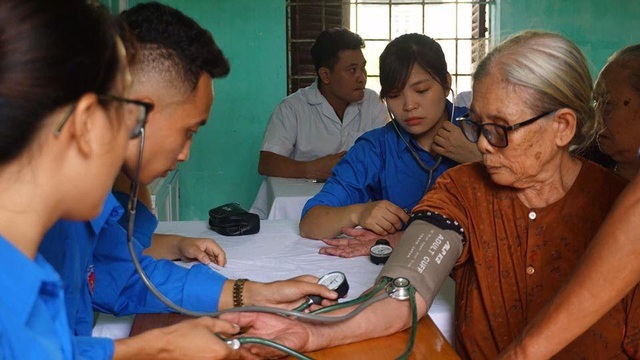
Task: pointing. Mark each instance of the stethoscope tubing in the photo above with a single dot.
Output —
(364, 301)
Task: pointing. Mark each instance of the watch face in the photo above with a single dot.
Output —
(332, 280)
(381, 250)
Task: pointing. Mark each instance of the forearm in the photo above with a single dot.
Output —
(609, 263)
(327, 221)
(380, 319)
(272, 164)
(140, 347)
(462, 152)
(164, 246)
(472, 155)
(251, 294)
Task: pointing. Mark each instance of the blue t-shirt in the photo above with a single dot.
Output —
(380, 167)
(33, 320)
(94, 262)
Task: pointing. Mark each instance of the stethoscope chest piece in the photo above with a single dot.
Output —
(399, 289)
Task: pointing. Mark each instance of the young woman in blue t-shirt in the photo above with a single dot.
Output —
(388, 170)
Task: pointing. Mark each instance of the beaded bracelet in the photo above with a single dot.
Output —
(238, 287)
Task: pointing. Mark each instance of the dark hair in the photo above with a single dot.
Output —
(51, 53)
(326, 49)
(402, 53)
(171, 40)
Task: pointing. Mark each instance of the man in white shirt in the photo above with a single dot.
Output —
(310, 130)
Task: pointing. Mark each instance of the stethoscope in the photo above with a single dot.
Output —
(414, 154)
(398, 288)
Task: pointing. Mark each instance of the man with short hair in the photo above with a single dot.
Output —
(174, 71)
(310, 130)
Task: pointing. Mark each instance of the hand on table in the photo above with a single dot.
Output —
(287, 294)
(358, 244)
(451, 142)
(382, 217)
(201, 249)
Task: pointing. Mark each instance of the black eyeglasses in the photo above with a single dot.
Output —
(495, 134)
(136, 111)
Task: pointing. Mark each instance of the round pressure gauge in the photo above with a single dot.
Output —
(380, 252)
(336, 281)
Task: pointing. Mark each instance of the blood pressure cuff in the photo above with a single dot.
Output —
(232, 220)
(426, 254)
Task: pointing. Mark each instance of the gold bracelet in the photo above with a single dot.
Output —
(238, 289)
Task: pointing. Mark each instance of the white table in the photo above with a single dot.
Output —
(278, 252)
(282, 198)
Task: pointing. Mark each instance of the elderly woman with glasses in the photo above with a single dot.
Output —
(526, 213)
(611, 261)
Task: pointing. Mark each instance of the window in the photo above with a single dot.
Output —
(460, 27)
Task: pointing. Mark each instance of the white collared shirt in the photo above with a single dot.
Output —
(305, 127)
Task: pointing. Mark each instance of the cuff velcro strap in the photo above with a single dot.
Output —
(438, 220)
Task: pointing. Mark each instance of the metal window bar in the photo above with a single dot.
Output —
(479, 33)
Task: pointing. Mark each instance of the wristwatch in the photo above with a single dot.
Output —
(380, 252)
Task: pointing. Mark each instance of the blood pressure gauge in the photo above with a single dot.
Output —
(335, 281)
(380, 252)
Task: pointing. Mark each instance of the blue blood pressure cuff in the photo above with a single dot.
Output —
(427, 252)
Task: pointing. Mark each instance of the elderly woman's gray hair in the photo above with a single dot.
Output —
(554, 69)
(629, 58)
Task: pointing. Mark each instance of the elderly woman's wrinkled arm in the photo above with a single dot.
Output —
(380, 319)
(610, 262)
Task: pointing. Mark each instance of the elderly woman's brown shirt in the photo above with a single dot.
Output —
(516, 258)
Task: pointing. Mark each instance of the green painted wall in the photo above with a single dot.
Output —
(599, 27)
(224, 157)
(112, 5)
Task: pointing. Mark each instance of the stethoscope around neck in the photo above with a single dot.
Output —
(414, 154)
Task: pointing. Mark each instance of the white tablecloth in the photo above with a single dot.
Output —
(282, 198)
(278, 252)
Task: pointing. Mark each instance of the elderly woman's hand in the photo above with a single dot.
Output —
(450, 142)
(358, 244)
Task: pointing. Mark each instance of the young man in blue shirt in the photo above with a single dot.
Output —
(174, 71)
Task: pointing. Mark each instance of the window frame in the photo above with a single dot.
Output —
(296, 78)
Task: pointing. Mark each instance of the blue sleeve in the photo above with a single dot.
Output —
(120, 291)
(356, 178)
(145, 222)
(21, 343)
(92, 348)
